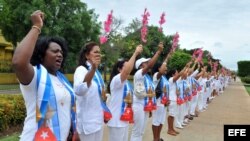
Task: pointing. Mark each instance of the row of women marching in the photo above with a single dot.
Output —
(173, 95)
(56, 111)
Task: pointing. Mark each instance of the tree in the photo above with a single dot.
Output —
(111, 49)
(68, 19)
(134, 26)
(179, 60)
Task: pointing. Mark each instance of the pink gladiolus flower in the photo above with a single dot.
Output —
(107, 28)
(108, 22)
(198, 54)
(162, 21)
(144, 29)
(103, 39)
(175, 41)
(199, 59)
(194, 54)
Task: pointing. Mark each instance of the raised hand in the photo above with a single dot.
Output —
(160, 46)
(138, 49)
(37, 18)
(95, 60)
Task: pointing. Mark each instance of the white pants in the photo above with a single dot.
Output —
(180, 115)
(186, 108)
(172, 108)
(159, 116)
(193, 104)
(118, 133)
(140, 122)
(200, 99)
(97, 136)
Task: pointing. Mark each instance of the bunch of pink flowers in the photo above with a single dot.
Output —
(175, 41)
(107, 28)
(198, 54)
(144, 29)
(162, 21)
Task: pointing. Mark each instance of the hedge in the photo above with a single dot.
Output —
(243, 68)
(12, 110)
(246, 79)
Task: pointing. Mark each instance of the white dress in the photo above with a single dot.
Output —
(63, 100)
(118, 129)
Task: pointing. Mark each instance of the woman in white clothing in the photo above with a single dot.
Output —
(49, 97)
(173, 76)
(89, 88)
(120, 89)
(142, 65)
(162, 92)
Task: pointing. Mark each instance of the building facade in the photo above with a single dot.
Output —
(6, 53)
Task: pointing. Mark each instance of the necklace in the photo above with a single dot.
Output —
(63, 91)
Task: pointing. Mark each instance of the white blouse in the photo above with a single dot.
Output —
(88, 104)
(63, 100)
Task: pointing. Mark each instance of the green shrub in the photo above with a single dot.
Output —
(246, 79)
(12, 111)
(244, 68)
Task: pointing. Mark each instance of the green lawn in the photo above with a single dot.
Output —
(9, 87)
(13, 137)
(248, 89)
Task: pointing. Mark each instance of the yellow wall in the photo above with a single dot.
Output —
(6, 52)
(8, 78)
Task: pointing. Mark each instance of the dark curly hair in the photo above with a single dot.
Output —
(41, 47)
(171, 73)
(85, 50)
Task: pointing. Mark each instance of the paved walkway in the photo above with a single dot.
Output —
(232, 107)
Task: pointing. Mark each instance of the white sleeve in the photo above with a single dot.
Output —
(194, 73)
(80, 87)
(116, 82)
(31, 88)
(155, 80)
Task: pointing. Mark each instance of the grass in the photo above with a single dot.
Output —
(9, 87)
(248, 88)
(13, 137)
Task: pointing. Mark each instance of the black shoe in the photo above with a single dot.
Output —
(192, 115)
(190, 118)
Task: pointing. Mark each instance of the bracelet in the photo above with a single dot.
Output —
(38, 28)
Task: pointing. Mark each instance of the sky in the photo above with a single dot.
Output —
(219, 26)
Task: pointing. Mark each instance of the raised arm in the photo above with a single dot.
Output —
(152, 61)
(163, 65)
(128, 66)
(181, 73)
(24, 51)
(95, 59)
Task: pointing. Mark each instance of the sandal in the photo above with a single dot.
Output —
(177, 132)
(172, 133)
